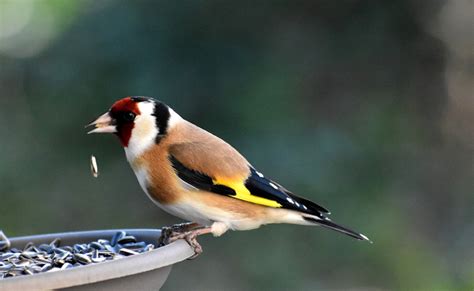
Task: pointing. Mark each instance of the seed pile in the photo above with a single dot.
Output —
(53, 257)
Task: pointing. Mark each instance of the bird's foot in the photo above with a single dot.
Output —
(185, 226)
(167, 232)
(191, 238)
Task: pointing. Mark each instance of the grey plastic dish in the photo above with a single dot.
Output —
(146, 271)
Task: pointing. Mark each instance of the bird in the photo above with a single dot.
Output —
(198, 177)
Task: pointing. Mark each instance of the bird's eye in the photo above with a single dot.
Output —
(128, 116)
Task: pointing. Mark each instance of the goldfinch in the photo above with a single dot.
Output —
(194, 175)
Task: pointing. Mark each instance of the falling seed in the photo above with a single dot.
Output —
(94, 169)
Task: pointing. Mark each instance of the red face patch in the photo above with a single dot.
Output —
(123, 112)
(125, 104)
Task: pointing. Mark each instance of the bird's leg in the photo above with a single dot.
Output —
(185, 226)
(169, 231)
(190, 238)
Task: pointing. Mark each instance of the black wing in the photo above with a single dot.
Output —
(256, 183)
(260, 186)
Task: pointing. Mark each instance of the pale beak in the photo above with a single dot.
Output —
(103, 124)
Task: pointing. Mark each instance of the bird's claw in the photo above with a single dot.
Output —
(187, 231)
(169, 232)
(191, 238)
(192, 241)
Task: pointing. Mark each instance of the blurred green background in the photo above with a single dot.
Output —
(363, 106)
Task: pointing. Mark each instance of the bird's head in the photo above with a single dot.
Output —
(137, 121)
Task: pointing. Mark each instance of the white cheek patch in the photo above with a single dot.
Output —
(143, 133)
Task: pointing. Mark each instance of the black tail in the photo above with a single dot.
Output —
(339, 228)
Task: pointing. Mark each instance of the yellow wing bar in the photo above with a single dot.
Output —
(242, 193)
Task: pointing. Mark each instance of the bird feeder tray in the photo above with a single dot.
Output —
(144, 271)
